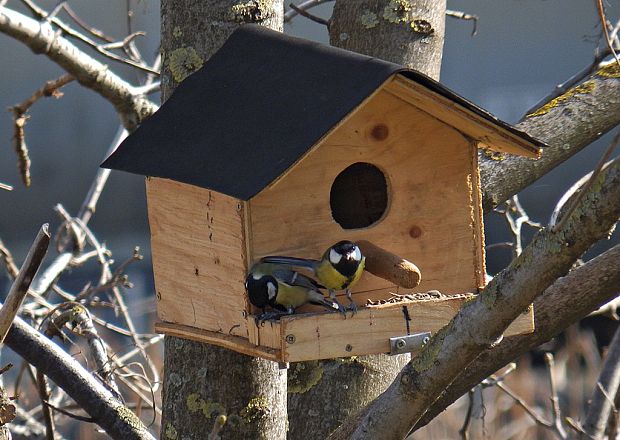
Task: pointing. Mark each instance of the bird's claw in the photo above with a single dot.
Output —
(260, 320)
(341, 308)
(352, 306)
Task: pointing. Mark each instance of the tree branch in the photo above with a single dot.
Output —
(568, 123)
(40, 37)
(21, 284)
(568, 300)
(602, 400)
(111, 415)
(481, 322)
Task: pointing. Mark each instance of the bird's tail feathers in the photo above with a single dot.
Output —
(318, 299)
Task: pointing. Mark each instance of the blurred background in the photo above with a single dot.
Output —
(523, 48)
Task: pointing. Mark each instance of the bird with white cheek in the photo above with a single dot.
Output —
(282, 289)
(339, 268)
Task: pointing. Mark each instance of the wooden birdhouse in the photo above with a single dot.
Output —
(281, 146)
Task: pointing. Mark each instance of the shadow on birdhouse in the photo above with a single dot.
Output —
(281, 146)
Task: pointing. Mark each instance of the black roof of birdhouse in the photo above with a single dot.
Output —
(257, 106)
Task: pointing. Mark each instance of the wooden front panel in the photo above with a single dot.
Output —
(197, 242)
(430, 219)
(327, 335)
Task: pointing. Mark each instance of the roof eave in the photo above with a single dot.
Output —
(485, 129)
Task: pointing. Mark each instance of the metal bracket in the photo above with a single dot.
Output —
(409, 343)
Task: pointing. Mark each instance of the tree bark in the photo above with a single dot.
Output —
(397, 31)
(200, 380)
(567, 301)
(568, 124)
(407, 32)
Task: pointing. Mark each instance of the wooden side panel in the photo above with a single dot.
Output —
(324, 336)
(197, 241)
(487, 134)
(428, 166)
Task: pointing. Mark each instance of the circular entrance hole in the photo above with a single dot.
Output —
(359, 196)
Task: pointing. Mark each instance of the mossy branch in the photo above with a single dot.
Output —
(129, 101)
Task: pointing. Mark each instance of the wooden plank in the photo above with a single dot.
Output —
(428, 220)
(328, 335)
(477, 219)
(198, 256)
(268, 334)
(235, 343)
(486, 133)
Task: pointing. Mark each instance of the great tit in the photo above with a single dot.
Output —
(282, 289)
(339, 268)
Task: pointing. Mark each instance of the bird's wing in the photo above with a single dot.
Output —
(293, 278)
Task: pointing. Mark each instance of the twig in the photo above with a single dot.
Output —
(463, 432)
(309, 16)
(464, 16)
(7, 259)
(87, 391)
(88, 28)
(562, 88)
(601, 13)
(81, 37)
(515, 216)
(6, 187)
(50, 89)
(67, 413)
(304, 6)
(588, 183)
(20, 286)
(41, 38)
(98, 351)
(44, 393)
(602, 400)
(20, 117)
(523, 404)
(555, 402)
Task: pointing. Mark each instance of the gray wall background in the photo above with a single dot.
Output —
(522, 50)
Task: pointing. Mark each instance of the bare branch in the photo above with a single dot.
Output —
(309, 16)
(20, 286)
(601, 13)
(117, 420)
(596, 101)
(464, 16)
(601, 403)
(6, 187)
(41, 38)
(20, 117)
(575, 200)
(304, 6)
(568, 300)
(555, 401)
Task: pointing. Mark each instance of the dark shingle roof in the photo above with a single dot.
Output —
(255, 107)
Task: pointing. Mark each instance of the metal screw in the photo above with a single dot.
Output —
(349, 347)
(290, 339)
(401, 343)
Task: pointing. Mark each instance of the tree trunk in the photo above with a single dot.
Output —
(323, 394)
(200, 380)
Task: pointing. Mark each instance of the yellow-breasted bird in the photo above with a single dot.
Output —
(283, 289)
(339, 268)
